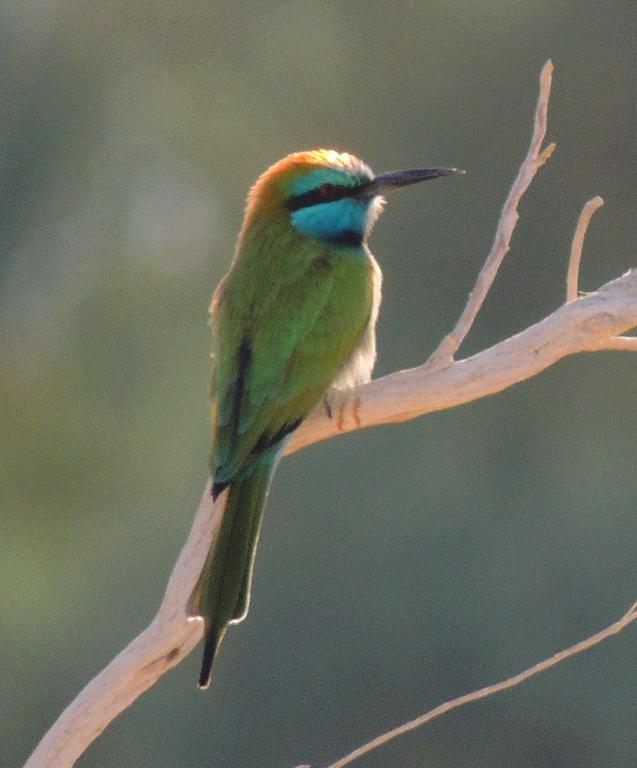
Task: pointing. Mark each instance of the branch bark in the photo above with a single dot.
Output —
(572, 276)
(590, 323)
(490, 690)
(534, 160)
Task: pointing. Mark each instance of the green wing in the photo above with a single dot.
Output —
(278, 347)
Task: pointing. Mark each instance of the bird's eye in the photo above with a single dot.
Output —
(325, 190)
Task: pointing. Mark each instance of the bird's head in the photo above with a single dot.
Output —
(328, 195)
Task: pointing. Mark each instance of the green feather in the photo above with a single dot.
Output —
(277, 350)
(225, 587)
(297, 334)
(287, 319)
(294, 314)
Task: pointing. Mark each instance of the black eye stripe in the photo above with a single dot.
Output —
(326, 193)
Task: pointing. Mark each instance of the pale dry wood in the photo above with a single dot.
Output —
(162, 645)
(572, 274)
(624, 343)
(591, 323)
(535, 158)
(584, 325)
(489, 690)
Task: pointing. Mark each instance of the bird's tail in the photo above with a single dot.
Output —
(222, 595)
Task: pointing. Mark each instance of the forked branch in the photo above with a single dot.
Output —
(534, 160)
(592, 322)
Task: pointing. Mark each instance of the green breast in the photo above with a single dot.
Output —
(284, 329)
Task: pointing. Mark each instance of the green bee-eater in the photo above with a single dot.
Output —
(294, 316)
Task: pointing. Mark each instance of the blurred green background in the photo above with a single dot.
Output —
(400, 566)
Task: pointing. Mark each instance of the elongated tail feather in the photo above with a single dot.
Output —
(222, 596)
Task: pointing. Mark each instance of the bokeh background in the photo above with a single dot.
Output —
(399, 566)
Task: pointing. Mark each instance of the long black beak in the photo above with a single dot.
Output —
(395, 179)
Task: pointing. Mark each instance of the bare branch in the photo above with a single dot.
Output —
(592, 323)
(163, 644)
(584, 325)
(572, 276)
(626, 343)
(535, 158)
(489, 690)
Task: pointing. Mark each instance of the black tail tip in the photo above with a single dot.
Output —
(212, 640)
(205, 677)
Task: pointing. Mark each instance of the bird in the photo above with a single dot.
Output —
(293, 319)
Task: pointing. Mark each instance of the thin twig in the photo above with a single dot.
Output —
(535, 158)
(489, 690)
(572, 276)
